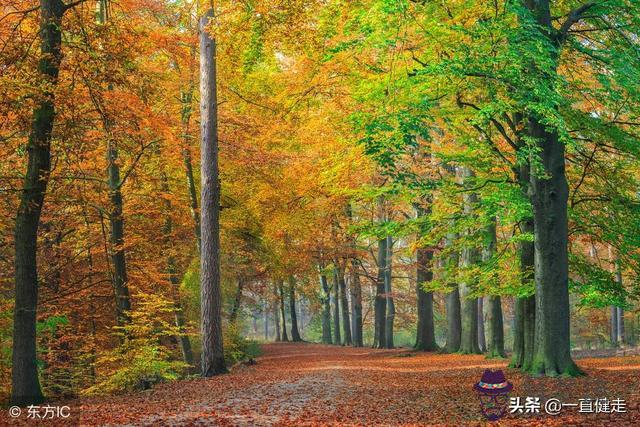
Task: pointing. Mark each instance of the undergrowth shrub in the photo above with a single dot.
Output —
(140, 360)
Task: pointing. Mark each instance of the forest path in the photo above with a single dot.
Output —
(312, 384)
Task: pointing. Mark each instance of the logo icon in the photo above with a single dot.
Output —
(493, 392)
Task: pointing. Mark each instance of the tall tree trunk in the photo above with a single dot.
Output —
(482, 342)
(391, 309)
(326, 309)
(25, 384)
(452, 305)
(356, 299)
(525, 307)
(380, 307)
(620, 313)
(496, 324)
(295, 333)
(344, 304)
(182, 338)
(549, 195)
(237, 301)
(266, 321)
(211, 298)
(470, 256)
(336, 306)
(276, 314)
(282, 312)
(425, 329)
(613, 336)
(186, 97)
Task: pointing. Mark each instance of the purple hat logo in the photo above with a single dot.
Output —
(493, 392)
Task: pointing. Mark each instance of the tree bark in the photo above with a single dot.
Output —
(326, 310)
(182, 338)
(237, 301)
(336, 307)
(425, 331)
(344, 304)
(276, 314)
(613, 336)
(356, 298)
(452, 306)
(282, 312)
(482, 341)
(620, 313)
(380, 307)
(496, 324)
(211, 299)
(470, 256)
(391, 309)
(186, 97)
(295, 332)
(25, 384)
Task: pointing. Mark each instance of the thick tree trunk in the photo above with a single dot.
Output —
(326, 310)
(425, 331)
(337, 339)
(25, 384)
(282, 312)
(295, 332)
(391, 309)
(496, 325)
(549, 198)
(470, 256)
(344, 304)
(380, 307)
(425, 328)
(237, 302)
(452, 306)
(211, 298)
(482, 342)
(356, 299)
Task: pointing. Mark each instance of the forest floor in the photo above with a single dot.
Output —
(312, 384)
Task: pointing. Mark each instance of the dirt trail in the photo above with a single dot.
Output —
(310, 384)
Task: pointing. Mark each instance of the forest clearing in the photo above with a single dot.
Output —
(361, 212)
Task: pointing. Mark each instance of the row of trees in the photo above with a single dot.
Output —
(412, 162)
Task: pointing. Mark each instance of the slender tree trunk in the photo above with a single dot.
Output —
(182, 338)
(276, 314)
(282, 312)
(356, 298)
(391, 309)
(470, 256)
(496, 324)
(211, 299)
(482, 342)
(380, 307)
(620, 314)
(452, 306)
(25, 384)
(326, 310)
(524, 330)
(613, 336)
(187, 110)
(237, 301)
(344, 304)
(266, 322)
(295, 333)
(336, 307)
